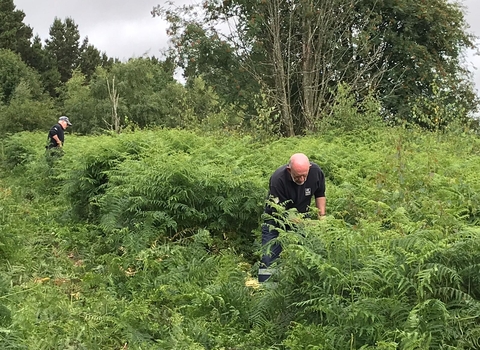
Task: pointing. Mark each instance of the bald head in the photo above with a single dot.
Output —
(298, 167)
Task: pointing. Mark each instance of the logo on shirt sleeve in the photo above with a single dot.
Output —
(308, 191)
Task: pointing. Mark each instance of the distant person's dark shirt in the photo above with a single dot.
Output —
(57, 129)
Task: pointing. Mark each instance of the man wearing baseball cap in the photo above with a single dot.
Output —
(56, 135)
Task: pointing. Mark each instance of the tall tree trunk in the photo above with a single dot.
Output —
(280, 68)
(114, 96)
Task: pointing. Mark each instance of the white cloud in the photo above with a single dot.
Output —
(122, 29)
(126, 39)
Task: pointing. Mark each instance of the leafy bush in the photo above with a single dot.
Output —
(173, 192)
(16, 151)
(348, 114)
(8, 240)
(24, 113)
(167, 184)
(86, 170)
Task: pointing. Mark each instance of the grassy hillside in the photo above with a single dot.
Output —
(150, 240)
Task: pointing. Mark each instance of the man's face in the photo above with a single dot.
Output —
(298, 175)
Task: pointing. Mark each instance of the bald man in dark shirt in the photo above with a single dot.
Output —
(292, 185)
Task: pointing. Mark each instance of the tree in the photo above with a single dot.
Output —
(14, 34)
(13, 71)
(143, 92)
(201, 52)
(300, 51)
(24, 104)
(424, 43)
(114, 97)
(139, 83)
(63, 48)
(24, 113)
(91, 58)
(45, 65)
(36, 55)
(80, 105)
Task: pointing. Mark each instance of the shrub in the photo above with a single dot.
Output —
(16, 152)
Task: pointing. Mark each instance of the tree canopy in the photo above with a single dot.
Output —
(280, 67)
(14, 34)
(13, 71)
(301, 51)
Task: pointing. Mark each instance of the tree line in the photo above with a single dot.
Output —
(277, 68)
(409, 54)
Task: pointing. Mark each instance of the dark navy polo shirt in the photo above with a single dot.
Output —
(292, 195)
(57, 129)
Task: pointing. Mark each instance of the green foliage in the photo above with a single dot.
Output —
(63, 46)
(300, 51)
(87, 180)
(23, 105)
(90, 58)
(80, 105)
(161, 248)
(14, 34)
(166, 184)
(203, 52)
(347, 114)
(421, 57)
(8, 240)
(12, 72)
(15, 151)
(360, 286)
(440, 109)
(148, 95)
(23, 113)
(264, 126)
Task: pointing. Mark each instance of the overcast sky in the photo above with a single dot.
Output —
(125, 28)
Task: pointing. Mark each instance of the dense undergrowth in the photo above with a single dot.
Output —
(146, 241)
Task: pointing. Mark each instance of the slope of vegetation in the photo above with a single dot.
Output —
(146, 236)
(149, 240)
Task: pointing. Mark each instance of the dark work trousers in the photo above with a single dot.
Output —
(264, 272)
